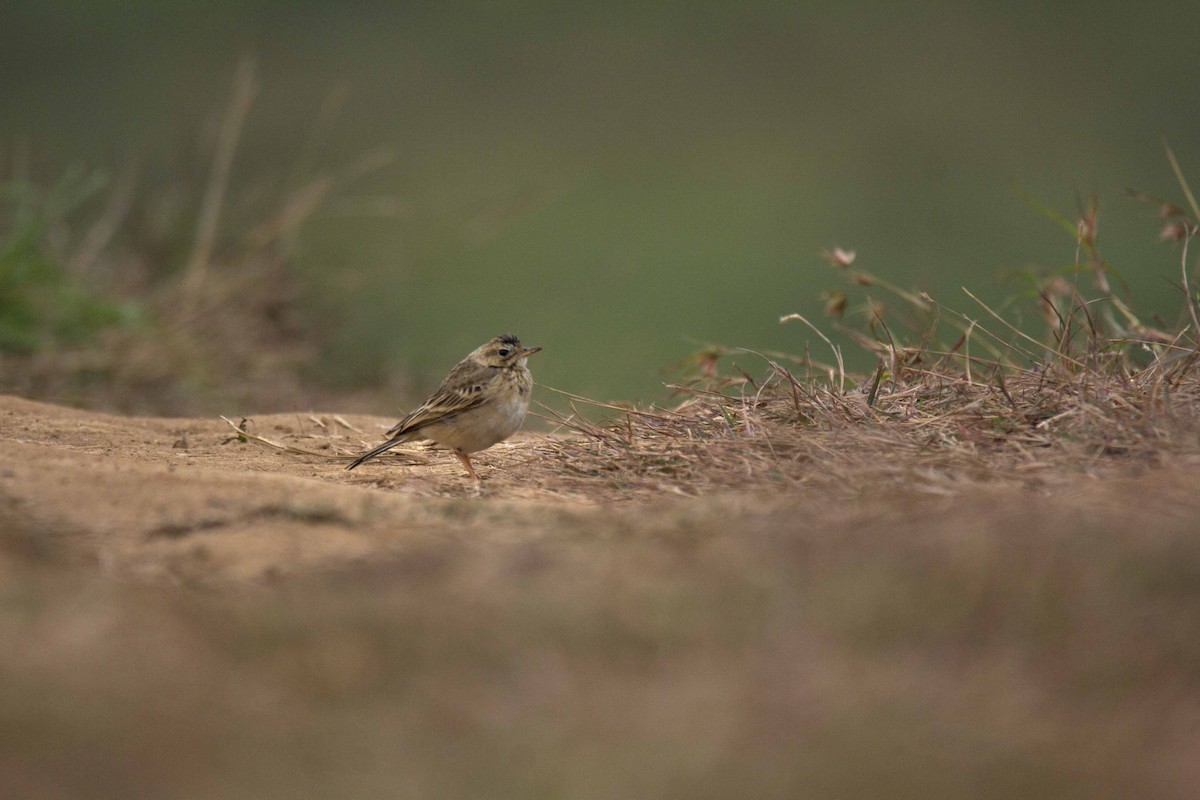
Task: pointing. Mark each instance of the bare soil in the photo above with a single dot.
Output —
(190, 614)
(182, 499)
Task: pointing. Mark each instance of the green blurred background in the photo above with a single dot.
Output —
(623, 182)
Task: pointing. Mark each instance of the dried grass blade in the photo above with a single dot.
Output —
(287, 448)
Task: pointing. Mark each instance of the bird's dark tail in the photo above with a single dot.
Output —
(383, 448)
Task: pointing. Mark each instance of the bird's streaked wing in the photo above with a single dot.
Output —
(464, 388)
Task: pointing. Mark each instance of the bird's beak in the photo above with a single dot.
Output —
(528, 351)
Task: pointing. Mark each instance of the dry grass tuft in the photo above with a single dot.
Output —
(1099, 390)
(931, 424)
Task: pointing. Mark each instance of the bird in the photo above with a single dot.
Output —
(481, 402)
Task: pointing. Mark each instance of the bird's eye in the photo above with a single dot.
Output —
(504, 351)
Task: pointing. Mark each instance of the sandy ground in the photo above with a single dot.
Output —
(182, 498)
(190, 615)
(186, 499)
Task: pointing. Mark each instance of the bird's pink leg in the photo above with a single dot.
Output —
(466, 462)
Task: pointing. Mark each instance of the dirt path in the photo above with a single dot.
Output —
(186, 498)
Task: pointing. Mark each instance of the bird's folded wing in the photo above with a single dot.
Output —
(466, 387)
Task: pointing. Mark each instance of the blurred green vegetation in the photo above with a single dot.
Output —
(621, 183)
(44, 302)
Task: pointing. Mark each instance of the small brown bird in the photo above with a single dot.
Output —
(482, 401)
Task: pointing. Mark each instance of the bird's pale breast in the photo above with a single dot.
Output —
(498, 418)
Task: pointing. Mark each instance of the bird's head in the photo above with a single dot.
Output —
(504, 351)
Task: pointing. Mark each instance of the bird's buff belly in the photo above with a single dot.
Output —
(479, 428)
